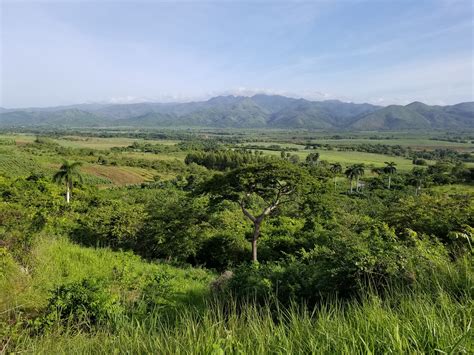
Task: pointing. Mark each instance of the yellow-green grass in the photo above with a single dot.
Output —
(415, 143)
(405, 142)
(55, 261)
(105, 143)
(87, 142)
(349, 158)
(401, 322)
(152, 156)
(19, 138)
(119, 175)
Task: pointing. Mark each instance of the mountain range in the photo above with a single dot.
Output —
(258, 111)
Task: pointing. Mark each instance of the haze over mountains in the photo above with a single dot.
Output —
(258, 111)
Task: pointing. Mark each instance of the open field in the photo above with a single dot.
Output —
(415, 143)
(86, 142)
(155, 156)
(350, 157)
(123, 175)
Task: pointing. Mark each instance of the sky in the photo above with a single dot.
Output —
(379, 51)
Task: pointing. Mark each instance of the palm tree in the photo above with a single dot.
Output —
(354, 172)
(418, 178)
(67, 173)
(335, 168)
(390, 168)
(358, 171)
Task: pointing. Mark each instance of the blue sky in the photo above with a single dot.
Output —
(56, 53)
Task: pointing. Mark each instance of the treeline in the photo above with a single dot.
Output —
(226, 159)
(184, 146)
(273, 147)
(442, 154)
(393, 150)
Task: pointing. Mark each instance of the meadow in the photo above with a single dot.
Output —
(156, 251)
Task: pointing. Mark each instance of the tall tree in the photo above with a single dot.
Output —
(67, 173)
(350, 174)
(336, 168)
(390, 168)
(355, 172)
(418, 177)
(259, 190)
(359, 171)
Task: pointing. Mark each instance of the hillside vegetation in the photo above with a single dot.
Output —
(259, 111)
(194, 244)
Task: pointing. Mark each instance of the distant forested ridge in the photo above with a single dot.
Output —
(258, 111)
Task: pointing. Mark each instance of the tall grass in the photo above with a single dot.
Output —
(434, 317)
(407, 324)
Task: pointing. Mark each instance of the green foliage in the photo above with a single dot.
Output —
(387, 270)
(221, 251)
(270, 181)
(437, 216)
(111, 223)
(173, 228)
(82, 304)
(224, 160)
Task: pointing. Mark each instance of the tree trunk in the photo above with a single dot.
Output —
(256, 235)
(351, 185)
(389, 181)
(357, 184)
(68, 193)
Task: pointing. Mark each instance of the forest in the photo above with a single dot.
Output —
(225, 242)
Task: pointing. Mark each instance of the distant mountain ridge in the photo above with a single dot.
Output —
(258, 111)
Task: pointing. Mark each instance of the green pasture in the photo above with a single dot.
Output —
(87, 142)
(350, 157)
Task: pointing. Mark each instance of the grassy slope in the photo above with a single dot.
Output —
(56, 261)
(401, 323)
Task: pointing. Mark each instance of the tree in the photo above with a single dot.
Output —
(262, 187)
(67, 173)
(355, 172)
(359, 171)
(418, 178)
(336, 169)
(312, 158)
(390, 169)
(294, 159)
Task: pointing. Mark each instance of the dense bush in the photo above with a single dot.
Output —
(111, 223)
(222, 251)
(228, 159)
(82, 305)
(442, 218)
(343, 262)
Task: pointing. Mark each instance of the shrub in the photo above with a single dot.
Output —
(81, 304)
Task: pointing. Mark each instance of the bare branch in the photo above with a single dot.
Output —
(246, 212)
